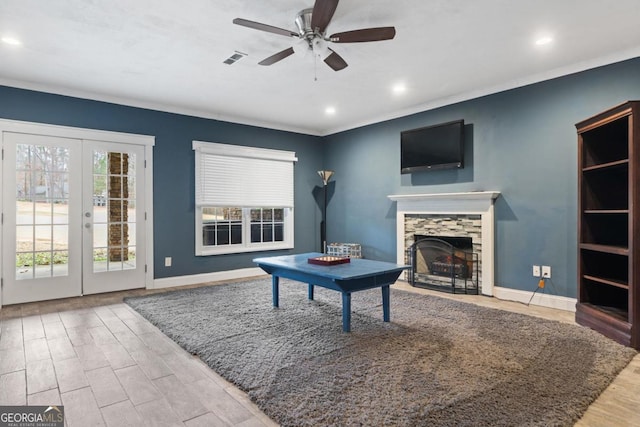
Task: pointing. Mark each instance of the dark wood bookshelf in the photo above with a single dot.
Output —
(606, 281)
(609, 209)
(605, 166)
(606, 211)
(618, 250)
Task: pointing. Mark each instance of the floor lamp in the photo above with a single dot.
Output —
(325, 175)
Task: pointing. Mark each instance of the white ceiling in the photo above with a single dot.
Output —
(168, 55)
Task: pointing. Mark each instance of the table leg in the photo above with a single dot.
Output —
(346, 311)
(310, 291)
(275, 281)
(386, 307)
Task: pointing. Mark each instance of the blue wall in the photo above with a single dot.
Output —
(173, 175)
(522, 143)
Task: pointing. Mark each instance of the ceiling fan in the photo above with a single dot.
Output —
(312, 25)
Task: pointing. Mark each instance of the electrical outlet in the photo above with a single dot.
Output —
(546, 271)
(167, 261)
(536, 271)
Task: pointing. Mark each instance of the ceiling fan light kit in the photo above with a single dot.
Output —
(312, 26)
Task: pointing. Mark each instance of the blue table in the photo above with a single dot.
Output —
(357, 275)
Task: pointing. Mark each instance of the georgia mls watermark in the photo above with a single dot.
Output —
(31, 416)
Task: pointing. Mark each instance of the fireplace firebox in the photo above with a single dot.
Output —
(443, 263)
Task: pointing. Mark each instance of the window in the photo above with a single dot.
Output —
(244, 198)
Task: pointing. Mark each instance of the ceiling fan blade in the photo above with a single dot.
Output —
(335, 61)
(265, 27)
(277, 57)
(323, 11)
(364, 35)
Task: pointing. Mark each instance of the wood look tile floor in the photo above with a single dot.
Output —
(108, 366)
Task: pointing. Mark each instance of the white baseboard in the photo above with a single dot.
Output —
(544, 300)
(193, 279)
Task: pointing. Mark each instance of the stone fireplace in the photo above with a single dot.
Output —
(450, 215)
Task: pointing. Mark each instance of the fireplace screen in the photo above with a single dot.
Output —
(450, 266)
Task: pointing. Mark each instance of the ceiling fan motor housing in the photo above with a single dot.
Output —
(303, 22)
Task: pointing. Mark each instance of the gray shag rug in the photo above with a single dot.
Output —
(439, 362)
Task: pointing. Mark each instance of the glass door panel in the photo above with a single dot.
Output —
(40, 228)
(111, 222)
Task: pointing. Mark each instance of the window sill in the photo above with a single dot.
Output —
(207, 251)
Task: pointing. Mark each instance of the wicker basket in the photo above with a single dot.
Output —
(351, 250)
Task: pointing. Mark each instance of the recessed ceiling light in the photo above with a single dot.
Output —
(11, 40)
(543, 41)
(399, 88)
(330, 111)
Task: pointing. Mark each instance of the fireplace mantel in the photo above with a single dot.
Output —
(467, 202)
(473, 202)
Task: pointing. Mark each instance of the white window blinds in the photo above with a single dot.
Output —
(230, 175)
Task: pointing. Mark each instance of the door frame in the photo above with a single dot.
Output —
(147, 141)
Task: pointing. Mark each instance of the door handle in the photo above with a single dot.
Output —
(87, 225)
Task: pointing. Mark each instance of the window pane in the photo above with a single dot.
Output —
(256, 233)
(209, 235)
(99, 235)
(24, 266)
(99, 190)
(60, 237)
(222, 234)
(234, 214)
(209, 215)
(278, 231)
(131, 234)
(115, 210)
(267, 233)
(131, 165)
(115, 187)
(43, 264)
(24, 190)
(44, 211)
(23, 157)
(115, 234)
(43, 235)
(60, 212)
(24, 212)
(60, 263)
(130, 261)
(278, 214)
(115, 254)
(99, 260)
(59, 185)
(100, 162)
(24, 238)
(236, 234)
(131, 210)
(131, 187)
(115, 163)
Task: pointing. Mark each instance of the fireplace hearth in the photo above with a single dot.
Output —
(443, 263)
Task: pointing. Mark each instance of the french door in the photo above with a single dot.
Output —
(73, 217)
(113, 214)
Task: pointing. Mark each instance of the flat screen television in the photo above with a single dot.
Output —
(433, 147)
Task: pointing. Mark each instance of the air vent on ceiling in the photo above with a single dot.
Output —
(237, 56)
